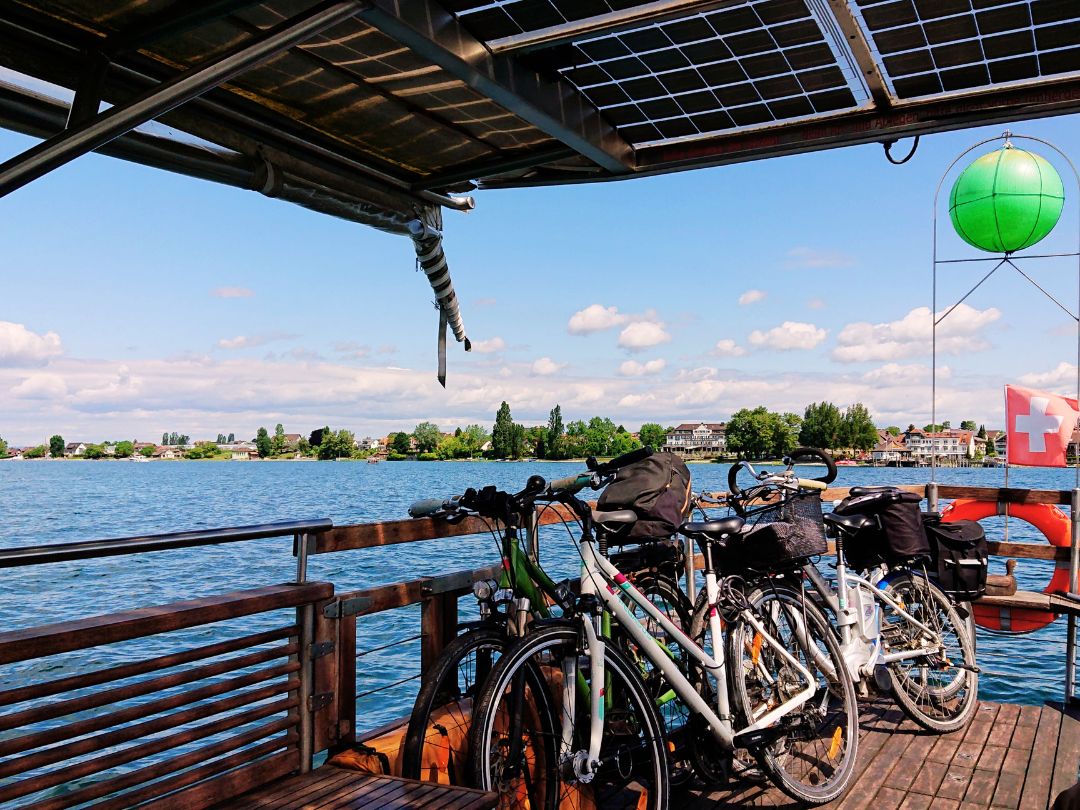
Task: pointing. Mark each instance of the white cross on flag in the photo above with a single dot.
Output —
(1039, 427)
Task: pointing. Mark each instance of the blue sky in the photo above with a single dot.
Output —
(138, 301)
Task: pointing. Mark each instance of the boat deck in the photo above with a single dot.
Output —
(330, 788)
(1011, 756)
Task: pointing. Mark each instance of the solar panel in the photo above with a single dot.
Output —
(747, 65)
(934, 46)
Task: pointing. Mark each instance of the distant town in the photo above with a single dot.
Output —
(749, 433)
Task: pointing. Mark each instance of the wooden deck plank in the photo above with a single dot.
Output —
(1035, 795)
(1068, 752)
(955, 783)
(980, 790)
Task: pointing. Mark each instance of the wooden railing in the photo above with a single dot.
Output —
(213, 720)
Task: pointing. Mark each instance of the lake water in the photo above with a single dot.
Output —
(51, 502)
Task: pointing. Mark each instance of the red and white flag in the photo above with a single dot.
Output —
(1039, 427)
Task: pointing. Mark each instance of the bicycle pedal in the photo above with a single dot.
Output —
(881, 678)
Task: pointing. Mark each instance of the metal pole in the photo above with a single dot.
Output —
(303, 544)
(105, 127)
(1074, 562)
(932, 496)
(532, 535)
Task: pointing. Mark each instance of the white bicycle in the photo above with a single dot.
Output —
(898, 630)
(567, 704)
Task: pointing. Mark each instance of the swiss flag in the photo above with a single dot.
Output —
(1039, 427)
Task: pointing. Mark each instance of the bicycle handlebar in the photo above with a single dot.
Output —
(430, 506)
(570, 484)
(803, 453)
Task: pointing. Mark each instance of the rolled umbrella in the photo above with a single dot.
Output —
(432, 260)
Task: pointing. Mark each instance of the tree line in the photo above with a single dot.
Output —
(761, 433)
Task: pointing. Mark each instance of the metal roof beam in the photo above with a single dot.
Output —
(472, 171)
(860, 48)
(923, 117)
(610, 23)
(116, 121)
(556, 108)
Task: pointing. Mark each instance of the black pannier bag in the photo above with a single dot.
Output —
(779, 535)
(961, 556)
(657, 488)
(898, 535)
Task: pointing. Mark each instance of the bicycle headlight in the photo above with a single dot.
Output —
(482, 589)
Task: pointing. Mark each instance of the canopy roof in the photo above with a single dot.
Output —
(394, 105)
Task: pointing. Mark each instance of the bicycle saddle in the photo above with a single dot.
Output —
(712, 529)
(615, 518)
(850, 523)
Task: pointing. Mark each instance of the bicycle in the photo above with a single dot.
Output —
(609, 736)
(898, 629)
(435, 742)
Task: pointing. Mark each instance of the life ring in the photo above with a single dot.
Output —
(1055, 526)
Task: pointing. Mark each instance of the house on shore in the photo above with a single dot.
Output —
(698, 439)
(74, 449)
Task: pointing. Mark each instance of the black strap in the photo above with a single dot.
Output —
(442, 347)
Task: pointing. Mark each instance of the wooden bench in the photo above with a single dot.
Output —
(330, 788)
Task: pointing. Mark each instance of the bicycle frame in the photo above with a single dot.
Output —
(600, 577)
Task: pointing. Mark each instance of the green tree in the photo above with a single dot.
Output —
(517, 440)
(554, 440)
(146, 452)
(124, 449)
(221, 438)
(967, 424)
(277, 444)
(304, 446)
(892, 430)
(201, 451)
(427, 437)
(623, 443)
(858, 431)
(56, 446)
(232, 438)
(165, 438)
(316, 436)
(94, 452)
(502, 435)
(982, 432)
(3, 449)
(473, 438)
(653, 435)
(785, 430)
(36, 452)
(748, 432)
(534, 441)
(401, 443)
(263, 443)
(821, 425)
(337, 444)
(600, 436)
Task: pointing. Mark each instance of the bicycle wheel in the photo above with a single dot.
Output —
(517, 732)
(665, 594)
(436, 742)
(810, 751)
(939, 691)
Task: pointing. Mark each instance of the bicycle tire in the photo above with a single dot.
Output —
(439, 695)
(811, 737)
(950, 705)
(633, 751)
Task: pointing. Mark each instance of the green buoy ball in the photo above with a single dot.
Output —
(1006, 200)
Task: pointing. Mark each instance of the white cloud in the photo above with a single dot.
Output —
(250, 341)
(788, 335)
(803, 257)
(41, 386)
(1062, 375)
(910, 336)
(595, 318)
(545, 366)
(495, 344)
(19, 347)
(815, 303)
(728, 348)
(233, 292)
(904, 374)
(632, 368)
(752, 297)
(643, 335)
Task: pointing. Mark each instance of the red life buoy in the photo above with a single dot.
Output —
(1055, 526)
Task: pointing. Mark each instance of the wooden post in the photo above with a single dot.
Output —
(306, 623)
(438, 626)
(326, 693)
(346, 680)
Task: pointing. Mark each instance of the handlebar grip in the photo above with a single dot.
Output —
(733, 479)
(811, 483)
(568, 483)
(820, 455)
(427, 507)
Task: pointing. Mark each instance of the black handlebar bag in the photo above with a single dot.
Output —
(657, 488)
(962, 557)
